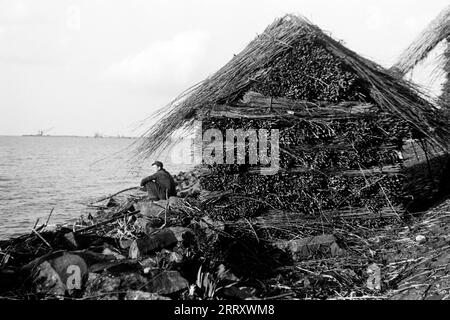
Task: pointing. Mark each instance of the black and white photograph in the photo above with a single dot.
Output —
(223, 157)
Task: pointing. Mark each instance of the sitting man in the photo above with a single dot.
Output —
(160, 186)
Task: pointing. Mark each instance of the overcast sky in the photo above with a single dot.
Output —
(103, 66)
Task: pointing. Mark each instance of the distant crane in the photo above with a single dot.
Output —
(42, 132)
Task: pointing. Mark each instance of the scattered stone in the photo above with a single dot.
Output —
(140, 295)
(125, 243)
(161, 240)
(70, 240)
(175, 257)
(115, 254)
(421, 239)
(374, 280)
(168, 282)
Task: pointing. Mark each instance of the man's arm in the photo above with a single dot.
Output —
(148, 179)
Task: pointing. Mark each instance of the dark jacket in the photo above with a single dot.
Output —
(164, 179)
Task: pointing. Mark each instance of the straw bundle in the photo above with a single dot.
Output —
(437, 31)
(257, 65)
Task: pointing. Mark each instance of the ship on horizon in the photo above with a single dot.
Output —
(41, 133)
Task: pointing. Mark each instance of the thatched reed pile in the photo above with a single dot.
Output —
(258, 59)
(437, 31)
(343, 122)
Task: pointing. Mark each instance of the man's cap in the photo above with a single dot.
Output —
(158, 163)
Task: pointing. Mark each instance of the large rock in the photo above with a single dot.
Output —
(151, 208)
(168, 282)
(140, 295)
(61, 275)
(47, 281)
(163, 239)
(72, 270)
(308, 247)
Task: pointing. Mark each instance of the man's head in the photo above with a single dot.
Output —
(159, 165)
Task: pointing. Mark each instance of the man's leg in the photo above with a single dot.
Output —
(153, 190)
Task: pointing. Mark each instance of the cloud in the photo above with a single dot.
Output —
(162, 64)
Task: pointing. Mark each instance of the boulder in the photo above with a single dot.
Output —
(72, 270)
(58, 274)
(168, 282)
(150, 208)
(148, 244)
(46, 280)
(140, 295)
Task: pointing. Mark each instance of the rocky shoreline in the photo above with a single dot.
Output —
(131, 249)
